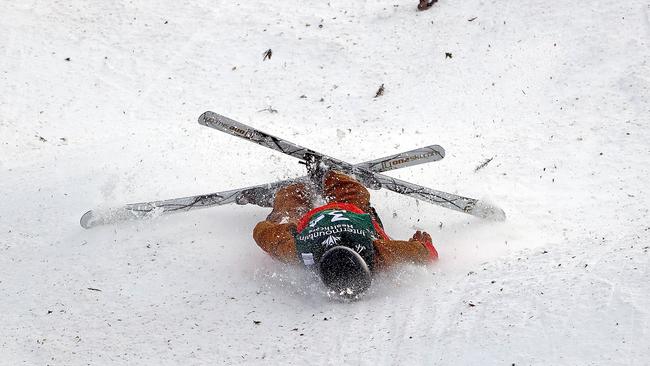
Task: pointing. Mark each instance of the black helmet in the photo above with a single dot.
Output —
(345, 272)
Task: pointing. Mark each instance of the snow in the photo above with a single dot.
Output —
(556, 92)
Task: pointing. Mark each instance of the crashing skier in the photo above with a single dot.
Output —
(343, 240)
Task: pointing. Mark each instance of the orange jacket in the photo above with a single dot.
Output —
(277, 239)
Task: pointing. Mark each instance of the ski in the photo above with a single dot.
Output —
(261, 195)
(366, 176)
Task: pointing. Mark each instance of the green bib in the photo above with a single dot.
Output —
(330, 228)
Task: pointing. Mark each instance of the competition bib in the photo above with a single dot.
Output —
(329, 228)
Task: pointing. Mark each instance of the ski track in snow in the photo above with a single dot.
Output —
(556, 93)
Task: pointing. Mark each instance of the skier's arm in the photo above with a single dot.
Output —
(277, 240)
(419, 250)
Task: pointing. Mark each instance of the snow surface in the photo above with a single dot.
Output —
(99, 106)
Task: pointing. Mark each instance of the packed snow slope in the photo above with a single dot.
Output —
(99, 106)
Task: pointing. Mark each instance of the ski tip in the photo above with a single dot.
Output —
(86, 220)
(439, 150)
(205, 116)
(489, 212)
(99, 217)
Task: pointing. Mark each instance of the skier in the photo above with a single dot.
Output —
(343, 240)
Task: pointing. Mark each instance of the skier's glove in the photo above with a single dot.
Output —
(425, 239)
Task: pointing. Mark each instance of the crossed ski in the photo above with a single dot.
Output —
(368, 173)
